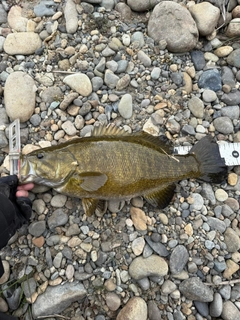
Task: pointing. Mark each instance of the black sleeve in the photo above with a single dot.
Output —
(4, 316)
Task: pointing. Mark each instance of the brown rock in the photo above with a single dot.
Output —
(135, 309)
(38, 242)
(139, 218)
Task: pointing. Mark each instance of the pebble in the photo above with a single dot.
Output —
(24, 95)
(6, 267)
(71, 16)
(136, 308)
(216, 306)
(195, 289)
(210, 79)
(223, 125)
(25, 43)
(37, 228)
(80, 83)
(230, 311)
(178, 259)
(125, 106)
(138, 245)
(221, 195)
(139, 218)
(232, 240)
(58, 200)
(113, 301)
(153, 266)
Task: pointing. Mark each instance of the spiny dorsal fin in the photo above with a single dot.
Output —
(110, 130)
(153, 141)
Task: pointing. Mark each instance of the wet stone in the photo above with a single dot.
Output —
(158, 247)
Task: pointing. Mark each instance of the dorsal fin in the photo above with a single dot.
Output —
(142, 137)
(110, 130)
(153, 142)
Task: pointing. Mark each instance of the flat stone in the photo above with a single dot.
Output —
(55, 299)
(22, 43)
(153, 266)
(139, 218)
(194, 289)
(20, 102)
(232, 240)
(178, 259)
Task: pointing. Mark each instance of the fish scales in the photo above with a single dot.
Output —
(111, 164)
(130, 167)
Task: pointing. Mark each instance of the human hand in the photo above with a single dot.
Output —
(22, 190)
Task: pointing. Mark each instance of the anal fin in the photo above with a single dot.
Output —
(89, 206)
(161, 197)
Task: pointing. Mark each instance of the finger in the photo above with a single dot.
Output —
(26, 187)
(22, 193)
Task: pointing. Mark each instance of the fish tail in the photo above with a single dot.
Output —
(212, 166)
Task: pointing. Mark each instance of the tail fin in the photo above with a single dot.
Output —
(212, 166)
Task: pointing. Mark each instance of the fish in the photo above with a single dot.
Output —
(113, 164)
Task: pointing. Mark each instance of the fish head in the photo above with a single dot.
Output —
(47, 167)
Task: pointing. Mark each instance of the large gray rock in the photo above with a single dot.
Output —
(195, 289)
(56, 299)
(183, 36)
(19, 96)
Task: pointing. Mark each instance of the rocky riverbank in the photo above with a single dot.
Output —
(167, 67)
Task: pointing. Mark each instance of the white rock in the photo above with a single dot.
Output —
(15, 19)
(80, 83)
(125, 106)
(20, 102)
(70, 13)
(22, 43)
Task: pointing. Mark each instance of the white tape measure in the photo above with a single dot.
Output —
(230, 152)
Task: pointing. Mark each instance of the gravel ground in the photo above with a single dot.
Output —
(66, 66)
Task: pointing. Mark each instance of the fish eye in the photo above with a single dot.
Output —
(40, 155)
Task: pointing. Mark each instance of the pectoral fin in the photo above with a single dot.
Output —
(162, 197)
(92, 181)
(90, 205)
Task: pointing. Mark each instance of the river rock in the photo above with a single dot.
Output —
(232, 240)
(153, 266)
(80, 83)
(136, 308)
(71, 16)
(56, 299)
(206, 17)
(183, 37)
(142, 5)
(223, 125)
(15, 19)
(20, 102)
(125, 106)
(233, 29)
(234, 58)
(195, 289)
(230, 311)
(22, 43)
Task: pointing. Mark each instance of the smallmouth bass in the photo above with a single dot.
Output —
(113, 164)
